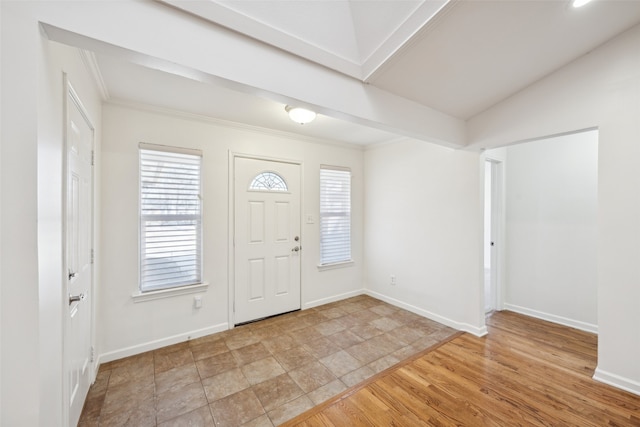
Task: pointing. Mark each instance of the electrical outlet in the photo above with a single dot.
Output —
(197, 301)
(393, 279)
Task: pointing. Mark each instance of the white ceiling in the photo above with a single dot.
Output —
(459, 57)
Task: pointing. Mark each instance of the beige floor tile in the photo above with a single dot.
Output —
(357, 376)
(329, 327)
(268, 332)
(341, 363)
(384, 309)
(383, 363)
(225, 384)
(290, 410)
(366, 352)
(366, 331)
(179, 401)
(200, 417)
(327, 391)
(130, 413)
(321, 347)
(262, 370)
(176, 377)
(209, 349)
(306, 334)
(279, 343)
(216, 364)
(407, 334)
(250, 353)
(237, 409)
(345, 339)
(132, 373)
(293, 358)
(261, 421)
(260, 374)
(385, 324)
(277, 391)
(366, 316)
(172, 348)
(241, 339)
(333, 312)
(311, 376)
(130, 393)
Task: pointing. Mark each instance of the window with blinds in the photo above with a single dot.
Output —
(170, 217)
(335, 215)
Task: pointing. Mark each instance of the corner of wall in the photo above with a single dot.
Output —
(478, 331)
(617, 381)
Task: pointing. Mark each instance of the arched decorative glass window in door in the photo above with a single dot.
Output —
(268, 181)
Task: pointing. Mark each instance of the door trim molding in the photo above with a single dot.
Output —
(231, 202)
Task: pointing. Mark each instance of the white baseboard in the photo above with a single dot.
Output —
(583, 326)
(156, 344)
(617, 381)
(475, 330)
(333, 298)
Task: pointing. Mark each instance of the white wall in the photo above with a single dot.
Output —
(601, 89)
(57, 60)
(32, 279)
(423, 224)
(551, 229)
(20, 350)
(126, 327)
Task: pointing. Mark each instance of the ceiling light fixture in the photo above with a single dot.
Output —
(300, 115)
(580, 3)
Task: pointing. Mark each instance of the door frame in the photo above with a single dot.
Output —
(70, 92)
(233, 155)
(497, 232)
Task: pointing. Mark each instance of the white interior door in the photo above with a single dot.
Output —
(267, 238)
(79, 219)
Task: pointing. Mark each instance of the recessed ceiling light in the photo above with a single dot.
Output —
(580, 3)
(300, 115)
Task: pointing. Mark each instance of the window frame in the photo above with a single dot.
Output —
(180, 286)
(326, 262)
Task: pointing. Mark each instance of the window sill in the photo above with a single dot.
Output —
(335, 265)
(168, 293)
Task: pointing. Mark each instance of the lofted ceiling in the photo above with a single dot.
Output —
(456, 57)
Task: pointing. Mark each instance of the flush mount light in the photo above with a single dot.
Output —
(580, 3)
(300, 115)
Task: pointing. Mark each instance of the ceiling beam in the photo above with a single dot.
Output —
(160, 37)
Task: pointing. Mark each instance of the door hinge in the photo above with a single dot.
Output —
(92, 353)
(93, 156)
(92, 256)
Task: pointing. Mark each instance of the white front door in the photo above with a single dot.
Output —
(267, 238)
(79, 218)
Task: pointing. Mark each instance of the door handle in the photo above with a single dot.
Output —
(75, 298)
(296, 249)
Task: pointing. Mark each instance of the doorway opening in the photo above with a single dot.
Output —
(491, 222)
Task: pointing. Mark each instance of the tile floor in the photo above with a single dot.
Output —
(260, 374)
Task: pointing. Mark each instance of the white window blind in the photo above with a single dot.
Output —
(170, 217)
(335, 215)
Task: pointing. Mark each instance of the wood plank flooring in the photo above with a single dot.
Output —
(526, 372)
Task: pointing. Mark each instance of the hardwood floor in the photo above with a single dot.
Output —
(525, 372)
